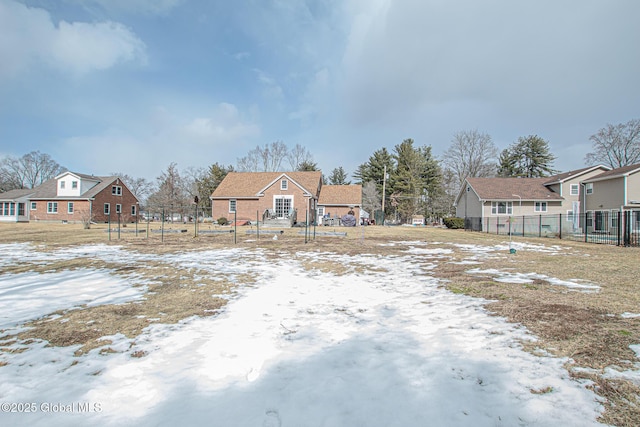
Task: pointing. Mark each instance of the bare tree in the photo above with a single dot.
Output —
(267, 158)
(297, 156)
(170, 193)
(616, 145)
(28, 171)
(471, 154)
(371, 198)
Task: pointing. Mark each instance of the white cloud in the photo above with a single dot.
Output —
(28, 37)
(224, 126)
(143, 149)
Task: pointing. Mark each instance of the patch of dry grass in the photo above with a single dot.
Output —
(586, 327)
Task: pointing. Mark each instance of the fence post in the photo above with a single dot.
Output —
(257, 224)
(162, 227)
(586, 227)
(540, 225)
(560, 226)
(235, 226)
(498, 225)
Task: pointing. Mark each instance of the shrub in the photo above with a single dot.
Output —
(223, 221)
(454, 222)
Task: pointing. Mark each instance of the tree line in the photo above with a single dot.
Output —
(406, 181)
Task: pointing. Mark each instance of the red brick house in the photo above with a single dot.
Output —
(260, 195)
(336, 201)
(72, 197)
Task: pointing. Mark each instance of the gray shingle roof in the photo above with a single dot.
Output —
(510, 188)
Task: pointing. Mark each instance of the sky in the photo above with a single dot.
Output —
(130, 86)
(383, 346)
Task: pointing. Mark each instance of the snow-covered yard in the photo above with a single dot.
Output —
(379, 344)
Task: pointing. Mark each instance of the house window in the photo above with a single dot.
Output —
(575, 190)
(614, 219)
(232, 206)
(70, 207)
(116, 190)
(62, 184)
(34, 205)
(107, 208)
(52, 207)
(5, 209)
(74, 184)
(20, 209)
(118, 208)
(321, 211)
(284, 184)
(570, 216)
(133, 210)
(541, 207)
(501, 208)
(589, 188)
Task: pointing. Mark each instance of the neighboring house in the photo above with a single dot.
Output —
(482, 200)
(72, 197)
(259, 195)
(336, 201)
(613, 191)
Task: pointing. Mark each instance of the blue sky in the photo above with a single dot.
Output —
(132, 85)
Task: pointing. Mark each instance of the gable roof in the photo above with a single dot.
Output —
(616, 173)
(511, 188)
(251, 184)
(48, 190)
(347, 195)
(562, 177)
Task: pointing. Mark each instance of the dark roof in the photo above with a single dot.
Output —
(511, 188)
(341, 195)
(556, 179)
(616, 173)
(48, 190)
(15, 194)
(250, 184)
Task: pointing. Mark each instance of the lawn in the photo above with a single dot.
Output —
(384, 326)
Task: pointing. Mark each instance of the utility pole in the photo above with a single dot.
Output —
(384, 187)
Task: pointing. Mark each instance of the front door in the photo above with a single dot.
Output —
(282, 206)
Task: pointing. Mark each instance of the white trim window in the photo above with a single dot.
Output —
(52, 207)
(118, 208)
(570, 216)
(575, 190)
(134, 211)
(34, 206)
(62, 185)
(233, 205)
(284, 184)
(116, 190)
(74, 185)
(614, 218)
(540, 206)
(107, 208)
(70, 207)
(589, 188)
(501, 208)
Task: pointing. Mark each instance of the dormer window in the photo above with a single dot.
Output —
(62, 183)
(74, 185)
(116, 190)
(284, 184)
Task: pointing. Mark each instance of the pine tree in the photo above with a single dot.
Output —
(529, 158)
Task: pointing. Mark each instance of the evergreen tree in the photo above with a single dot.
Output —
(338, 177)
(529, 158)
(416, 179)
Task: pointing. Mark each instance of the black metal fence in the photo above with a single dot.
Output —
(621, 228)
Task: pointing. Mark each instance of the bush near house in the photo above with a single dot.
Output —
(222, 221)
(454, 222)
